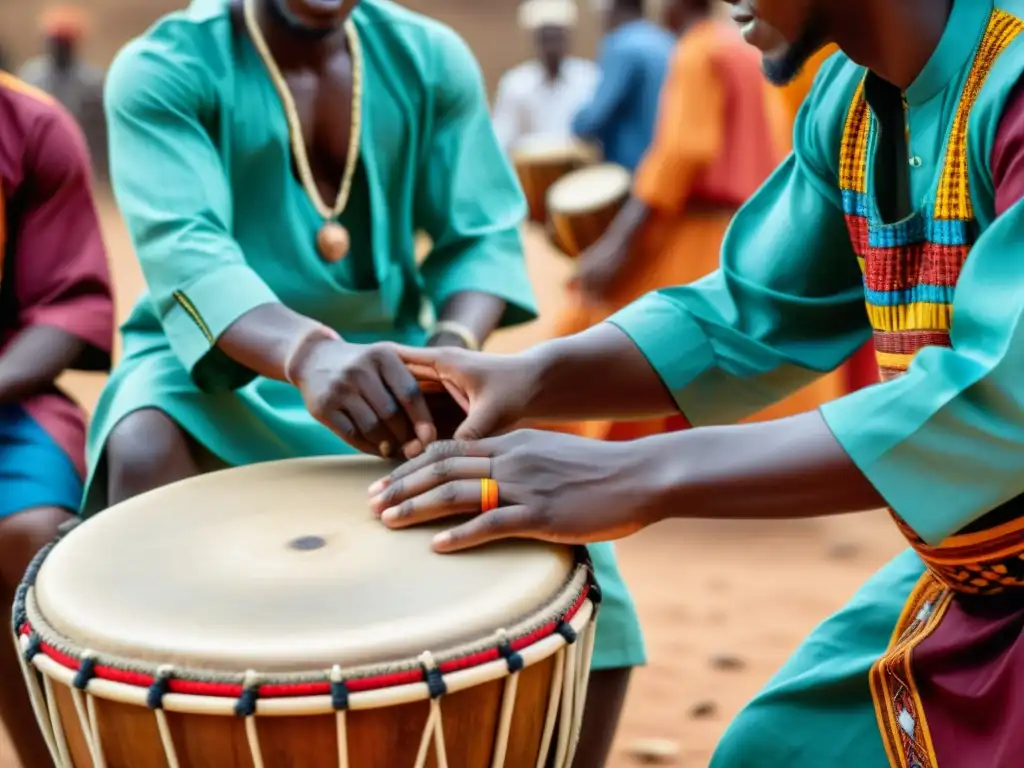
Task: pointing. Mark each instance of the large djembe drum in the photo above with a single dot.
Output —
(261, 617)
(540, 161)
(582, 205)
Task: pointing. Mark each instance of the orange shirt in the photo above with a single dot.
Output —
(721, 128)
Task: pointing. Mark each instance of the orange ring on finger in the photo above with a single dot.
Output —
(488, 494)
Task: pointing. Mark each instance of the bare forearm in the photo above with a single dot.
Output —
(625, 225)
(783, 469)
(477, 312)
(597, 374)
(34, 359)
(263, 338)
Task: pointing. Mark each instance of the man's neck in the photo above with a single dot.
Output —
(892, 38)
(687, 22)
(290, 46)
(552, 69)
(622, 19)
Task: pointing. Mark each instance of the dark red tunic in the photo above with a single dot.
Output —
(53, 266)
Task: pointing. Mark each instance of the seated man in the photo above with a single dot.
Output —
(272, 160)
(540, 97)
(56, 313)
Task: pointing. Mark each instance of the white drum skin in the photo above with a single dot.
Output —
(251, 599)
(582, 205)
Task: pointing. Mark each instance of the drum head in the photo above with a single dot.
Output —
(280, 567)
(541, 149)
(589, 189)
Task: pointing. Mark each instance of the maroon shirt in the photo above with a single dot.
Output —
(53, 266)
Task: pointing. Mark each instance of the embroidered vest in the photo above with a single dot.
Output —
(910, 272)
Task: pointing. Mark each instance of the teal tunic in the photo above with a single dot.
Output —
(201, 168)
(943, 443)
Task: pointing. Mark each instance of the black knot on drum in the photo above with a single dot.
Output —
(566, 631)
(308, 543)
(435, 682)
(246, 704)
(19, 616)
(339, 695)
(86, 672)
(35, 647)
(593, 588)
(159, 688)
(513, 659)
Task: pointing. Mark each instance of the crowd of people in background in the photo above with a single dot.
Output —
(681, 103)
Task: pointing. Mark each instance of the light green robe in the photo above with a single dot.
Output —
(944, 443)
(201, 167)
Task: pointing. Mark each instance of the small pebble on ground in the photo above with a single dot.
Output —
(654, 751)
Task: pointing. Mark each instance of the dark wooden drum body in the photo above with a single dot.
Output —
(542, 161)
(583, 204)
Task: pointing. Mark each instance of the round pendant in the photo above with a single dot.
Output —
(332, 241)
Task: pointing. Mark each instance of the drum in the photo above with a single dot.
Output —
(540, 161)
(583, 204)
(261, 617)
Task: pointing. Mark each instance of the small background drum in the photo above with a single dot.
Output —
(583, 204)
(262, 617)
(540, 161)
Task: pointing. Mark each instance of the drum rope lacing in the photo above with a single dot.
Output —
(567, 693)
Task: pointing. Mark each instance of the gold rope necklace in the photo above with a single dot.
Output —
(332, 240)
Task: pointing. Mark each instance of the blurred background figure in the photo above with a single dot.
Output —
(61, 72)
(540, 97)
(721, 130)
(56, 315)
(634, 57)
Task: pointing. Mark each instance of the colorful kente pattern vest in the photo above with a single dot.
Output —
(910, 272)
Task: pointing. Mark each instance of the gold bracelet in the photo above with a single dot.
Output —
(469, 339)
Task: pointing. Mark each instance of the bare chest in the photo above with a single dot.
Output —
(323, 101)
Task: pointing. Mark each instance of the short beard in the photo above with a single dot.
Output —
(784, 68)
(281, 13)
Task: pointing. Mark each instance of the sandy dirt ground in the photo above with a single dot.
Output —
(745, 593)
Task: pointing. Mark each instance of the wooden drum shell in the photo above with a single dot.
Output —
(575, 228)
(504, 688)
(377, 738)
(539, 164)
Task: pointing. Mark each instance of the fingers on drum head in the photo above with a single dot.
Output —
(458, 497)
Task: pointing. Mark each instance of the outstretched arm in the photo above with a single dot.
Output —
(940, 445)
(691, 117)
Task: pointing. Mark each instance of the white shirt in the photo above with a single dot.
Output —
(529, 104)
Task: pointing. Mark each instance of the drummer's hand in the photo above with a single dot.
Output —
(366, 396)
(493, 390)
(551, 486)
(598, 269)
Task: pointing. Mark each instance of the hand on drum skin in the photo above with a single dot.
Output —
(367, 396)
(598, 268)
(492, 389)
(551, 486)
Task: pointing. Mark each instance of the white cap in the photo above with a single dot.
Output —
(534, 14)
